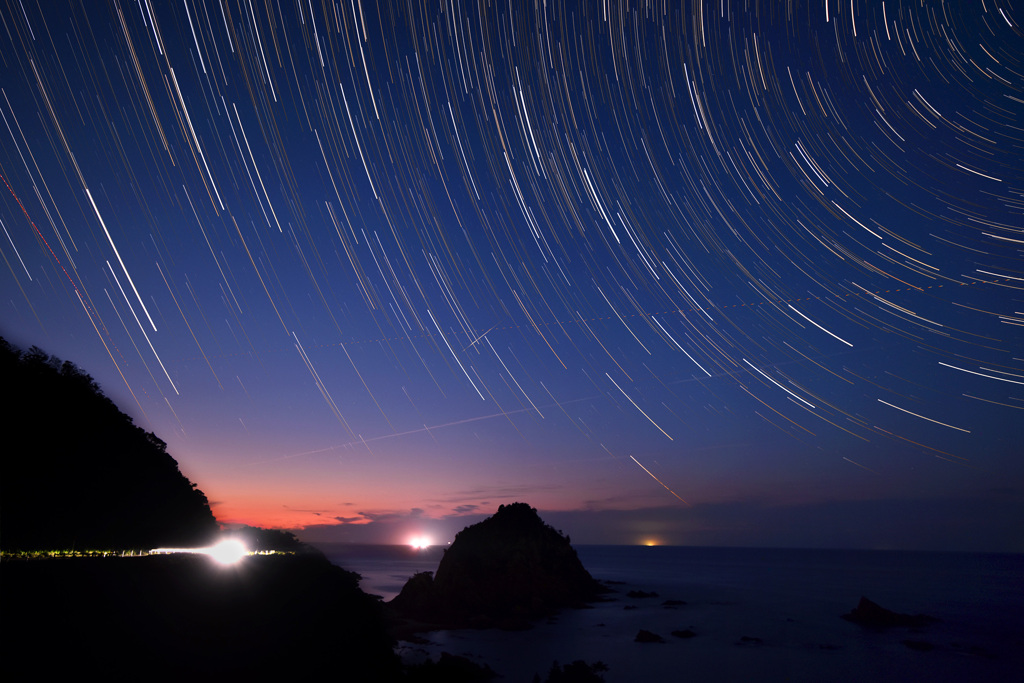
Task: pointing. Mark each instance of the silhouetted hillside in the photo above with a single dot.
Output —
(185, 618)
(503, 571)
(259, 539)
(77, 473)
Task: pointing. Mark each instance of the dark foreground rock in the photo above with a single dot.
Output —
(449, 668)
(182, 617)
(505, 571)
(577, 672)
(872, 615)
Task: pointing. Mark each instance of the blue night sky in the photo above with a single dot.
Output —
(710, 273)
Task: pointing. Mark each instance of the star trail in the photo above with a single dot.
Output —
(360, 262)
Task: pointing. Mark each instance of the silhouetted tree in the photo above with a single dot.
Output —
(257, 538)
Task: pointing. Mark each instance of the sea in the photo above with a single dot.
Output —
(747, 614)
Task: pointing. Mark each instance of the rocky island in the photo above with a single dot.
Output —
(503, 572)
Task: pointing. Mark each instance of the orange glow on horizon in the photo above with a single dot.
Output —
(269, 515)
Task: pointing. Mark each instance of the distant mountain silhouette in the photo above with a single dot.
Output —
(77, 473)
(504, 571)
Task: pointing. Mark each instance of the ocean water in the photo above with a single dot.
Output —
(384, 568)
(758, 615)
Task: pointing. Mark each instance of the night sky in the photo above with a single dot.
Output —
(709, 273)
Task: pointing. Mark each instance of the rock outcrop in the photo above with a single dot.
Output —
(504, 571)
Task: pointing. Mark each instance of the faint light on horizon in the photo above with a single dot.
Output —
(420, 542)
(650, 542)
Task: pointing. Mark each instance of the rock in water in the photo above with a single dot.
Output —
(504, 571)
(645, 636)
(873, 615)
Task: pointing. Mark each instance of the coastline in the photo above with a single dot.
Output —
(769, 615)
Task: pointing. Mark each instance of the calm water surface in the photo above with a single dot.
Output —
(788, 599)
(963, 584)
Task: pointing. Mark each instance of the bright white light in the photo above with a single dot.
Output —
(225, 552)
(420, 542)
(228, 552)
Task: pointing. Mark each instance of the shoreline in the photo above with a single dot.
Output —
(734, 639)
(766, 624)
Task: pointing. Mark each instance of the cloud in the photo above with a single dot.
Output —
(350, 520)
(383, 516)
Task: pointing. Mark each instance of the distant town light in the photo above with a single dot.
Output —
(228, 552)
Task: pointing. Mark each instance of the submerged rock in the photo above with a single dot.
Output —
(873, 615)
(645, 636)
(505, 571)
